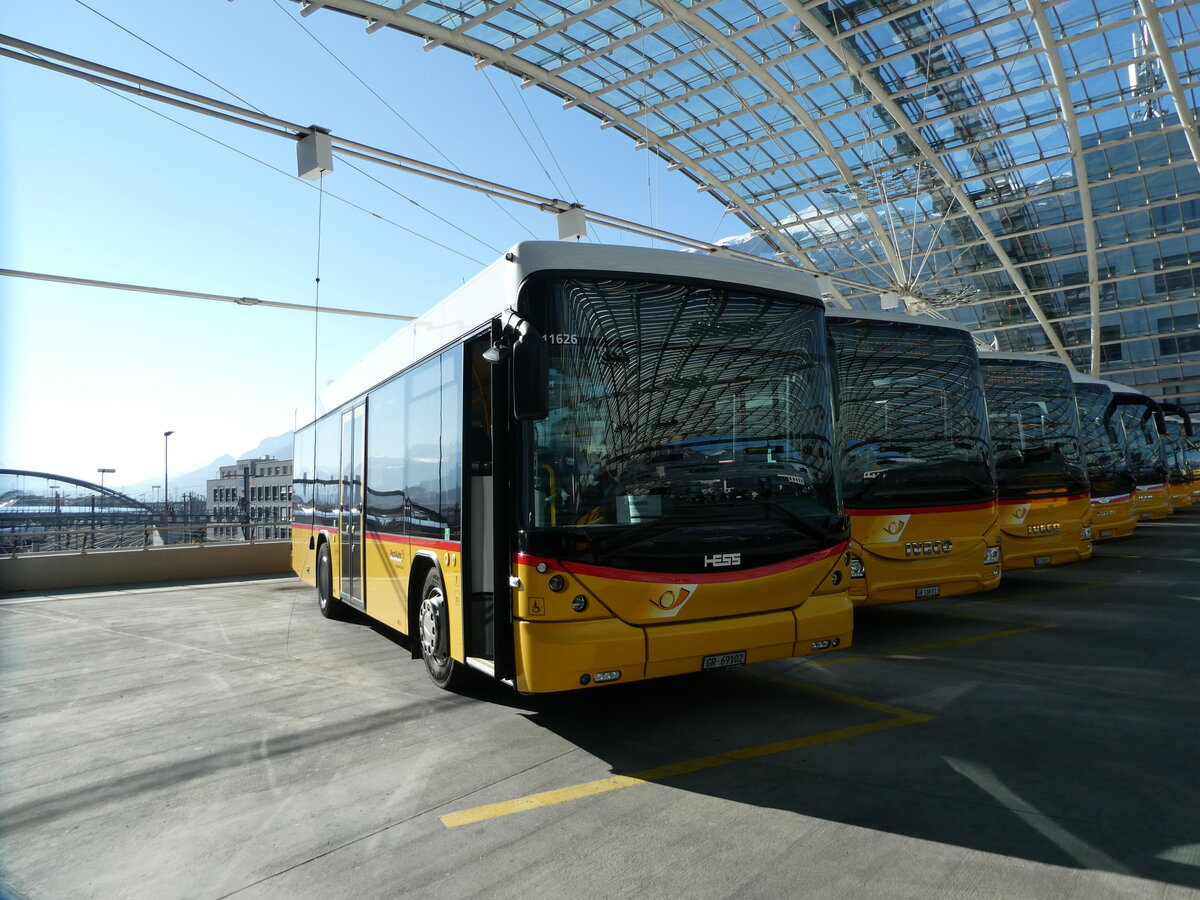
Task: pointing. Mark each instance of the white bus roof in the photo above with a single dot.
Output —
(1025, 357)
(1118, 388)
(878, 316)
(1082, 378)
(492, 291)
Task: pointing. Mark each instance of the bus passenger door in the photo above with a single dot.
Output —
(350, 509)
(478, 544)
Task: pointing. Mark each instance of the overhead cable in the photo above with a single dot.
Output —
(154, 90)
(197, 295)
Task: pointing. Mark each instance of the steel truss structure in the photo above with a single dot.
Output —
(1029, 168)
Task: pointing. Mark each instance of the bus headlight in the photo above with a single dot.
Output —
(1086, 533)
(857, 569)
(991, 555)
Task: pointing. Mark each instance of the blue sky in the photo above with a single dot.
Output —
(93, 185)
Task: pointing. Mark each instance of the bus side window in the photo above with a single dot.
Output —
(479, 419)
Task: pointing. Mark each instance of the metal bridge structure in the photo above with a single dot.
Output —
(1028, 168)
(43, 511)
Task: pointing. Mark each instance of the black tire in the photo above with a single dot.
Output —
(433, 633)
(329, 605)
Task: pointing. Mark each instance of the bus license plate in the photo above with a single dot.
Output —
(1041, 560)
(935, 591)
(723, 660)
(1106, 534)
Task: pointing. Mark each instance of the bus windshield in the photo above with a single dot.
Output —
(912, 418)
(1147, 454)
(686, 422)
(1104, 441)
(1034, 425)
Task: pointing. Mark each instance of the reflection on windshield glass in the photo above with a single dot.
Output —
(1034, 425)
(1104, 441)
(912, 419)
(1147, 454)
(681, 407)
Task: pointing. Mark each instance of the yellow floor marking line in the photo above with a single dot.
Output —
(1056, 589)
(969, 640)
(1024, 628)
(897, 718)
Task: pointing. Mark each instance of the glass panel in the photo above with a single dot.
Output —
(912, 421)
(1034, 427)
(685, 421)
(1104, 442)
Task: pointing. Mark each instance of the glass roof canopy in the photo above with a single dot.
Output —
(1028, 168)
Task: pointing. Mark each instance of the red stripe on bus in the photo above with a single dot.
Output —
(1045, 497)
(690, 578)
(418, 542)
(914, 510)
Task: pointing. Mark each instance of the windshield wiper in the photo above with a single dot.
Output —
(641, 530)
(804, 526)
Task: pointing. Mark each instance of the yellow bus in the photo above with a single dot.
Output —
(1041, 469)
(1182, 477)
(588, 465)
(1110, 476)
(917, 473)
(1143, 421)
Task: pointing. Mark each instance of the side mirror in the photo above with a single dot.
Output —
(530, 378)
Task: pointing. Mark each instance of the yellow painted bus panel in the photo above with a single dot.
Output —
(304, 560)
(679, 648)
(1152, 503)
(387, 570)
(670, 598)
(555, 656)
(335, 562)
(537, 601)
(1044, 531)
(824, 617)
(1181, 495)
(1114, 519)
(937, 553)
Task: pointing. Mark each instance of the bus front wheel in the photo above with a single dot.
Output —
(325, 599)
(435, 634)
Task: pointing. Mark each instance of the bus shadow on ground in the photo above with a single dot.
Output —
(1054, 746)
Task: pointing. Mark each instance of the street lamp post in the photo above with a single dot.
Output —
(102, 472)
(166, 493)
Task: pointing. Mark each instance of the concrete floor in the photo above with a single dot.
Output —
(224, 740)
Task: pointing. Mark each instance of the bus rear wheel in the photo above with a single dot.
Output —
(328, 604)
(434, 634)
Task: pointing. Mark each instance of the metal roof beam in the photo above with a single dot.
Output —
(1067, 109)
(881, 96)
(1162, 47)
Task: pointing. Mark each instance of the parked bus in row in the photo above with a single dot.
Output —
(1182, 477)
(1041, 468)
(1110, 475)
(916, 461)
(589, 465)
(1143, 421)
